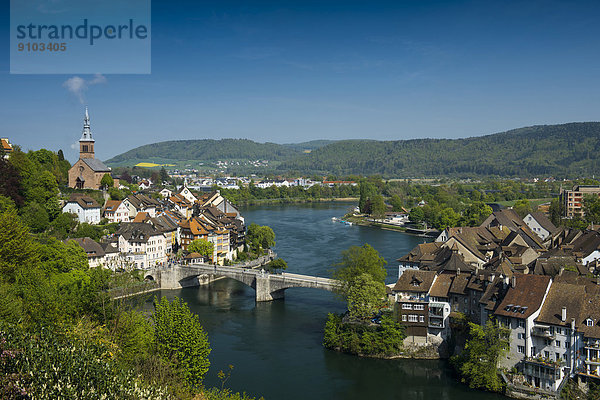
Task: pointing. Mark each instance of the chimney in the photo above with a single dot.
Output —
(513, 281)
(563, 315)
(492, 277)
(457, 271)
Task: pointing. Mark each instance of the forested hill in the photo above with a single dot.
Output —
(568, 150)
(558, 150)
(209, 150)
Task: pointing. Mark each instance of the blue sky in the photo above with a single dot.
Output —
(292, 71)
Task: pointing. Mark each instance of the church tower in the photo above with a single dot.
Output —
(86, 143)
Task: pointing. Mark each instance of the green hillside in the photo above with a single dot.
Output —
(207, 150)
(568, 150)
(558, 150)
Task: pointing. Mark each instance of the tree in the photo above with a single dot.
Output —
(357, 261)
(591, 209)
(416, 214)
(181, 340)
(260, 237)
(378, 207)
(276, 264)
(107, 181)
(365, 296)
(448, 218)
(556, 212)
(397, 203)
(367, 190)
(17, 250)
(522, 207)
(36, 217)
(203, 247)
(476, 213)
(164, 176)
(478, 364)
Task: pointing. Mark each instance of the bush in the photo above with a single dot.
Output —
(384, 339)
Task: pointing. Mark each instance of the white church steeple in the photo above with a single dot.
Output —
(86, 143)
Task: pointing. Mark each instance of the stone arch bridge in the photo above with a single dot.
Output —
(267, 286)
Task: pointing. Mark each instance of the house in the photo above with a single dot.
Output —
(6, 147)
(182, 205)
(145, 184)
(116, 211)
(85, 207)
(540, 224)
(588, 370)
(555, 339)
(88, 171)
(187, 194)
(518, 310)
(166, 193)
(139, 202)
(194, 258)
(144, 246)
(95, 252)
(411, 296)
(195, 228)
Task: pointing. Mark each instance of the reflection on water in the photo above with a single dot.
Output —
(276, 347)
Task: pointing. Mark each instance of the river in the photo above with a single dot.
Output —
(275, 347)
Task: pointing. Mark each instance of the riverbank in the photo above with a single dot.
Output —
(295, 200)
(363, 220)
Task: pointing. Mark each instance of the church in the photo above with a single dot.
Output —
(88, 171)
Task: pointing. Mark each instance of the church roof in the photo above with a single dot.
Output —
(96, 165)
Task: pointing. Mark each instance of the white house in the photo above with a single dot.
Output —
(166, 193)
(517, 311)
(86, 208)
(144, 246)
(116, 211)
(540, 224)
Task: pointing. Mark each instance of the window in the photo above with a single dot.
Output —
(559, 331)
(589, 322)
(404, 318)
(558, 343)
(546, 354)
(520, 336)
(557, 355)
(521, 349)
(419, 307)
(565, 356)
(521, 323)
(567, 345)
(407, 306)
(412, 318)
(421, 318)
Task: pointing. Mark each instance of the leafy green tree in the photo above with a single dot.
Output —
(365, 296)
(416, 214)
(181, 340)
(260, 237)
(134, 335)
(276, 264)
(202, 246)
(478, 364)
(522, 207)
(164, 176)
(476, 213)
(63, 225)
(367, 190)
(11, 185)
(107, 181)
(17, 249)
(357, 261)
(36, 217)
(591, 209)
(397, 203)
(556, 212)
(448, 218)
(378, 207)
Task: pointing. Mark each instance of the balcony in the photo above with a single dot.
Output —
(542, 331)
(593, 361)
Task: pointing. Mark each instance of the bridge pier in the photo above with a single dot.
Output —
(264, 291)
